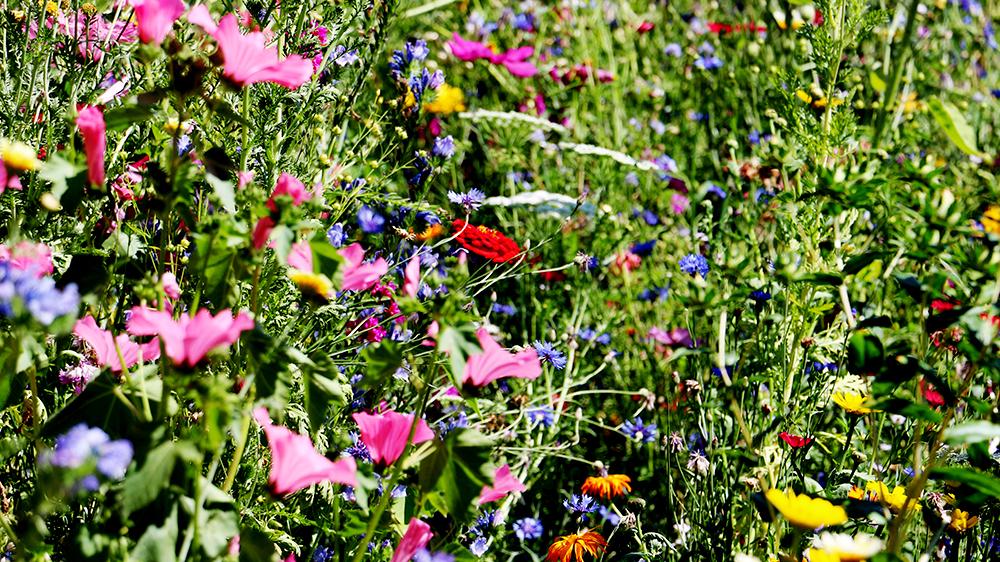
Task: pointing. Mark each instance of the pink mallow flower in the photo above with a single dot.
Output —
(417, 535)
(102, 343)
(289, 186)
(386, 434)
(496, 362)
(246, 60)
(514, 60)
(503, 483)
(28, 256)
(189, 339)
(295, 463)
(358, 275)
(411, 277)
(90, 121)
(466, 50)
(155, 18)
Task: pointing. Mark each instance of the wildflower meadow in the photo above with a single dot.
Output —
(452, 280)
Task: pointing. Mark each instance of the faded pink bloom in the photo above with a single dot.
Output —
(243, 179)
(496, 362)
(360, 276)
(295, 463)
(28, 256)
(102, 343)
(246, 60)
(189, 339)
(155, 18)
(386, 434)
(300, 257)
(170, 286)
(503, 483)
(234, 546)
(93, 35)
(625, 262)
(411, 277)
(90, 121)
(417, 535)
(676, 336)
(289, 186)
(8, 180)
(679, 203)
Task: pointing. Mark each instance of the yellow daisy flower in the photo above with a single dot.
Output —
(852, 402)
(805, 512)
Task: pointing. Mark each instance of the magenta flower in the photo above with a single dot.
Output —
(417, 535)
(28, 256)
(300, 257)
(155, 18)
(411, 277)
(512, 59)
(246, 60)
(386, 434)
(90, 121)
(189, 339)
(357, 275)
(295, 463)
(503, 483)
(102, 343)
(290, 186)
(466, 50)
(496, 362)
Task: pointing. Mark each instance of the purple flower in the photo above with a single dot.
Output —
(694, 264)
(444, 147)
(543, 416)
(479, 547)
(547, 353)
(528, 529)
(370, 221)
(470, 201)
(639, 431)
(424, 555)
(336, 235)
(79, 376)
(673, 50)
(579, 505)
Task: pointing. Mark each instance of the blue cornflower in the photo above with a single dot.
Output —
(654, 293)
(580, 505)
(643, 249)
(358, 449)
(528, 529)
(444, 147)
(608, 515)
(479, 547)
(39, 296)
(524, 22)
(694, 264)
(428, 217)
(184, 145)
(754, 137)
(336, 235)
(547, 353)
(470, 200)
(673, 50)
(481, 526)
(716, 190)
(666, 163)
(639, 431)
(505, 309)
(543, 416)
(342, 57)
(417, 175)
(82, 445)
(650, 218)
(370, 221)
(708, 63)
(424, 555)
(760, 297)
(323, 554)
(452, 423)
(604, 339)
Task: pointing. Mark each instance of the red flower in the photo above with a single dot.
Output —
(931, 395)
(721, 28)
(795, 441)
(645, 27)
(939, 305)
(486, 242)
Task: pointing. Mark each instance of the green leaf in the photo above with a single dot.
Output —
(255, 546)
(453, 343)
(214, 260)
(878, 84)
(865, 354)
(954, 125)
(458, 468)
(140, 488)
(121, 117)
(971, 432)
(60, 173)
(908, 409)
(326, 260)
(978, 481)
(319, 393)
(157, 543)
(217, 522)
(382, 361)
(224, 192)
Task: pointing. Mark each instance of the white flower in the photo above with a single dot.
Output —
(698, 463)
(859, 547)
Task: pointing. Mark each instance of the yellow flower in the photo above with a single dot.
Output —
(52, 8)
(852, 402)
(805, 512)
(961, 522)
(816, 555)
(802, 95)
(410, 100)
(18, 156)
(845, 548)
(312, 284)
(895, 499)
(991, 220)
(449, 99)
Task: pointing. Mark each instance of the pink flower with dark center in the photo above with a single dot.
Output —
(102, 343)
(358, 275)
(503, 483)
(246, 60)
(155, 18)
(386, 434)
(496, 362)
(90, 121)
(189, 339)
(295, 463)
(417, 535)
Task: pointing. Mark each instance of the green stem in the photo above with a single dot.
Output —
(897, 73)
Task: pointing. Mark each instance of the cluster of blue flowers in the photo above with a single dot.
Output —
(39, 296)
(90, 450)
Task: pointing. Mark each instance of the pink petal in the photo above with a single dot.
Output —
(386, 434)
(156, 18)
(301, 257)
(503, 483)
(200, 16)
(497, 363)
(90, 122)
(295, 463)
(411, 277)
(417, 535)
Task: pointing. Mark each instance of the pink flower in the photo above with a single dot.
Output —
(188, 340)
(301, 257)
(93, 35)
(417, 535)
(246, 60)
(386, 434)
(466, 50)
(514, 61)
(90, 121)
(156, 18)
(170, 287)
(679, 203)
(496, 362)
(503, 483)
(262, 232)
(411, 277)
(360, 276)
(295, 464)
(102, 342)
(289, 186)
(28, 256)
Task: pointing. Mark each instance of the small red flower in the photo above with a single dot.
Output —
(486, 242)
(795, 441)
(931, 395)
(645, 27)
(940, 305)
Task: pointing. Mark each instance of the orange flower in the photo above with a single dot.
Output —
(565, 547)
(607, 486)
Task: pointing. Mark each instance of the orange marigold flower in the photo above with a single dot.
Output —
(566, 547)
(607, 486)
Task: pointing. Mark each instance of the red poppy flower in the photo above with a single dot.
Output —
(645, 27)
(931, 395)
(486, 242)
(795, 441)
